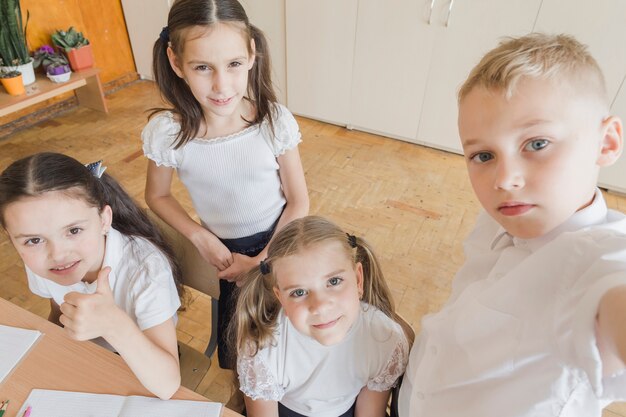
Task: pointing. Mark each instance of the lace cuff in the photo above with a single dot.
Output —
(394, 368)
(256, 381)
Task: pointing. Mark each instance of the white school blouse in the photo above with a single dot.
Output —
(516, 338)
(233, 181)
(324, 381)
(140, 278)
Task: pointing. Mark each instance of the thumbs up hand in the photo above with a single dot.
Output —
(87, 316)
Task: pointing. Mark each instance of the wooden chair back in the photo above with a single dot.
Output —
(196, 271)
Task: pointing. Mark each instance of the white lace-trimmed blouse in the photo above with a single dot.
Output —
(316, 380)
(233, 181)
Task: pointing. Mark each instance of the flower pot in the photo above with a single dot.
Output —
(28, 73)
(60, 78)
(80, 58)
(14, 86)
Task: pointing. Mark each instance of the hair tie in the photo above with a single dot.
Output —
(351, 240)
(264, 267)
(165, 34)
(96, 169)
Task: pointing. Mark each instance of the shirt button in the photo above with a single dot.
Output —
(420, 395)
(433, 350)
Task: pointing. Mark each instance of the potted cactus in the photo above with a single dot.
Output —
(76, 46)
(12, 82)
(13, 48)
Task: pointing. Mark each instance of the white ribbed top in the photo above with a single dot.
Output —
(233, 181)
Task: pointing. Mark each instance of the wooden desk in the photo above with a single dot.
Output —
(85, 84)
(60, 363)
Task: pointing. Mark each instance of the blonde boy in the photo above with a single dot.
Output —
(536, 322)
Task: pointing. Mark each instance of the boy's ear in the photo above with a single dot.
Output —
(612, 141)
(171, 56)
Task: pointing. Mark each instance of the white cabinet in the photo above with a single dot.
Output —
(144, 21)
(614, 177)
(320, 50)
(402, 69)
(391, 60)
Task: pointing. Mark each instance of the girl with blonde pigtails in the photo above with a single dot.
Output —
(316, 331)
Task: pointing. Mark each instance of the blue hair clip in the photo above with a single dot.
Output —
(165, 34)
(96, 168)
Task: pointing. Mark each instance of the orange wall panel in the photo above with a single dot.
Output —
(108, 36)
(101, 21)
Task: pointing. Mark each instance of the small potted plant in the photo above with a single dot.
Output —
(76, 46)
(54, 64)
(12, 82)
(58, 73)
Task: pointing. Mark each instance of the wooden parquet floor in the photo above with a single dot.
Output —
(414, 204)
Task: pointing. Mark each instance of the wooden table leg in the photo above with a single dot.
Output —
(91, 95)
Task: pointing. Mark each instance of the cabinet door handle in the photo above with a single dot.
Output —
(430, 13)
(449, 13)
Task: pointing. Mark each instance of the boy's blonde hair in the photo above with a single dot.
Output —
(257, 305)
(537, 55)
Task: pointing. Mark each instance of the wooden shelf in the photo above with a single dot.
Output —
(85, 84)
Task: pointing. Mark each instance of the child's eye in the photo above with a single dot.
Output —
(334, 281)
(481, 157)
(201, 68)
(33, 241)
(536, 145)
(75, 230)
(297, 293)
(235, 64)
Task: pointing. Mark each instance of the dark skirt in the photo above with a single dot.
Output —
(249, 246)
(285, 412)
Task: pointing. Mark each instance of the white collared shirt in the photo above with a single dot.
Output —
(141, 282)
(516, 337)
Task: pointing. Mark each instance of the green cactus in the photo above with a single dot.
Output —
(69, 39)
(13, 48)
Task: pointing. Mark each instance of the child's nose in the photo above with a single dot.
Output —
(219, 80)
(318, 303)
(508, 176)
(56, 251)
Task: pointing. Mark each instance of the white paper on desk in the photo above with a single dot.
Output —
(14, 344)
(50, 403)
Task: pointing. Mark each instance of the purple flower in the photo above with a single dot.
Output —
(58, 69)
(46, 48)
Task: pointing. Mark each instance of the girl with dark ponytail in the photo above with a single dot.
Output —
(232, 145)
(106, 269)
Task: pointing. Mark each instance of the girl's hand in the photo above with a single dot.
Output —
(235, 272)
(212, 249)
(87, 316)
